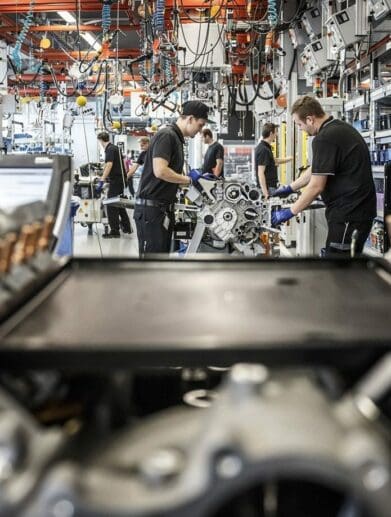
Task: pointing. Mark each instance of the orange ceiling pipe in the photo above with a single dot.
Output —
(51, 54)
(241, 8)
(64, 77)
(67, 28)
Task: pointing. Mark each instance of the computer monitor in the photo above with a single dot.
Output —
(20, 186)
(32, 187)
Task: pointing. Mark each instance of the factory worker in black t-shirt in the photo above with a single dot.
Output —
(214, 156)
(161, 177)
(265, 164)
(144, 144)
(341, 173)
(114, 173)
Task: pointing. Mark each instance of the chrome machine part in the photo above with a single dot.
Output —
(234, 213)
(272, 443)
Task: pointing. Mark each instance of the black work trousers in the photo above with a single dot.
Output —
(154, 229)
(115, 214)
(131, 186)
(339, 237)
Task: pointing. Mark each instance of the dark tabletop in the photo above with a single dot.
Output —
(129, 312)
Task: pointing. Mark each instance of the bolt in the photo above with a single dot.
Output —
(63, 508)
(229, 466)
(162, 465)
(376, 477)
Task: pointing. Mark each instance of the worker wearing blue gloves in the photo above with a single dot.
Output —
(283, 191)
(114, 174)
(195, 175)
(341, 173)
(162, 175)
(281, 216)
(99, 186)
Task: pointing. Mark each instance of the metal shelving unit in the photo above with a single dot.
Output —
(369, 111)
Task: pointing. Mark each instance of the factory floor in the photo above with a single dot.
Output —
(94, 245)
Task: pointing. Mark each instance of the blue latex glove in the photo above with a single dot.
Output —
(282, 191)
(209, 176)
(195, 175)
(281, 216)
(99, 186)
(75, 203)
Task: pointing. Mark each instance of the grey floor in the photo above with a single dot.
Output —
(85, 245)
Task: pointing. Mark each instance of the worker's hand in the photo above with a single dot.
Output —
(99, 186)
(195, 175)
(281, 216)
(75, 203)
(282, 191)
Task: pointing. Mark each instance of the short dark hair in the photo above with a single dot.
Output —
(306, 106)
(105, 137)
(207, 132)
(268, 129)
(196, 108)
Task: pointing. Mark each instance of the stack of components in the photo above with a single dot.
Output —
(24, 256)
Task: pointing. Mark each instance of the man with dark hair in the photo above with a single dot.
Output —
(114, 173)
(341, 173)
(214, 156)
(163, 173)
(265, 163)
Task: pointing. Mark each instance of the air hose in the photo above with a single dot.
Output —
(27, 22)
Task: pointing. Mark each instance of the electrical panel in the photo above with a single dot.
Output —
(314, 57)
(379, 8)
(345, 28)
(312, 22)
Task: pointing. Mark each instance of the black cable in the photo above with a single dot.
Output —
(292, 64)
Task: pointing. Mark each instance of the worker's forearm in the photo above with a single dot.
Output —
(218, 170)
(301, 181)
(262, 182)
(167, 174)
(280, 161)
(306, 198)
(106, 172)
(219, 167)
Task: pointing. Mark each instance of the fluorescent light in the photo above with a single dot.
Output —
(89, 38)
(68, 17)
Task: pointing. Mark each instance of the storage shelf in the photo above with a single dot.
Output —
(379, 169)
(357, 102)
(380, 93)
(383, 134)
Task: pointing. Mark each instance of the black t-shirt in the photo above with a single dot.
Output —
(214, 152)
(340, 152)
(113, 154)
(264, 156)
(141, 158)
(167, 144)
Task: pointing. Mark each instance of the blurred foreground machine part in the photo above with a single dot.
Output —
(269, 444)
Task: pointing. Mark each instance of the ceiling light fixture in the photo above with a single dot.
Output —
(87, 36)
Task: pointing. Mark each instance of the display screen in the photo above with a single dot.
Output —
(19, 186)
